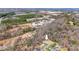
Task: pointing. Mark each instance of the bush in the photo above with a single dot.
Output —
(29, 42)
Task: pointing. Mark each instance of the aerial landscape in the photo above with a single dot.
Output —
(39, 29)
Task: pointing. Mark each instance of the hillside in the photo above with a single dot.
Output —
(39, 31)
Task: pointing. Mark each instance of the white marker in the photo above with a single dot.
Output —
(46, 37)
